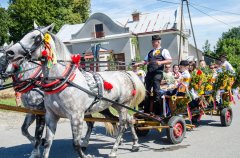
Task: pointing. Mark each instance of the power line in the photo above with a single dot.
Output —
(195, 4)
(214, 9)
(210, 16)
(168, 2)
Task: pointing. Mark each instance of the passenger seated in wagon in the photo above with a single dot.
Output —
(179, 90)
(168, 83)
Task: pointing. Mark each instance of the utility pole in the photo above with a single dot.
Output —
(192, 31)
(180, 43)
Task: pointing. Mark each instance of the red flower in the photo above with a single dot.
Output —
(199, 72)
(134, 92)
(107, 86)
(44, 53)
(76, 59)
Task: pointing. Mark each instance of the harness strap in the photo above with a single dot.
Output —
(60, 83)
(97, 78)
(27, 86)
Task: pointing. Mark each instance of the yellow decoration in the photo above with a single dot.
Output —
(209, 87)
(140, 74)
(174, 98)
(157, 52)
(47, 38)
(186, 79)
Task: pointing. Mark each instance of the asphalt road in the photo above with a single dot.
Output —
(209, 140)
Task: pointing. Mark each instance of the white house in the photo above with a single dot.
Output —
(127, 36)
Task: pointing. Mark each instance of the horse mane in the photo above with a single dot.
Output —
(61, 50)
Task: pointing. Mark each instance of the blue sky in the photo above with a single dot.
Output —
(204, 26)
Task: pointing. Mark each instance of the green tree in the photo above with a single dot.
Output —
(4, 23)
(207, 48)
(229, 43)
(45, 12)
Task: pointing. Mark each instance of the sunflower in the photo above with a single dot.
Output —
(174, 98)
(157, 52)
(47, 38)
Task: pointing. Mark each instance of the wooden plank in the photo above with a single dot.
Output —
(152, 127)
(22, 109)
(41, 112)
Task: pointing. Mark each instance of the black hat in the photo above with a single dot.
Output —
(156, 37)
(184, 63)
(223, 55)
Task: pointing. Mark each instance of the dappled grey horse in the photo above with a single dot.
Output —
(34, 99)
(71, 102)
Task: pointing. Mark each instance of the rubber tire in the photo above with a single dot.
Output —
(223, 117)
(141, 133)
(170, 131)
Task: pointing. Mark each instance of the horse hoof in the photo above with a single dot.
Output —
(135, 148)
(112, 156)
(43, 142)
(121, 141)
(84, 148)
(89, 156)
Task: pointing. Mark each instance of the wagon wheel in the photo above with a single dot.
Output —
(176, 133)
(226, 116)
(141, 133)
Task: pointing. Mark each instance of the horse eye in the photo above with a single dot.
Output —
(38, 39)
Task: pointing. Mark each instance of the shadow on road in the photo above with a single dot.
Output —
(63, 148)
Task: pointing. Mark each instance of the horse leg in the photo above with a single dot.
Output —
(29, 119)
(40, 123)
(77, 125)
(51, 125)
(130, 121)
(85, 142)
(122, 125)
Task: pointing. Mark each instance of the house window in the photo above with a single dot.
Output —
(99, 30)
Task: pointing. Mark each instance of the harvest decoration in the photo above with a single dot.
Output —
(224, 80)
(48, 51)
(199, 81)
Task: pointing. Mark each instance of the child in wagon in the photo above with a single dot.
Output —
(140, 73)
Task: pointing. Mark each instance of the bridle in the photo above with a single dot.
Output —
(38, 41)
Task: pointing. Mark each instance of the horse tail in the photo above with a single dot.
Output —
(110, 128)
(140, 90)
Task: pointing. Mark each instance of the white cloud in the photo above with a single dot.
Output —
(206, 20)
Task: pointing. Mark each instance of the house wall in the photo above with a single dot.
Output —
(109, 27)
(120, 45)
(192, 52)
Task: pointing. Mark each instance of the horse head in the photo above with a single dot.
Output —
(3, 62)
(30, 46)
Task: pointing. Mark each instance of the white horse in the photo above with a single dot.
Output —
(33, 98)
(71, 102)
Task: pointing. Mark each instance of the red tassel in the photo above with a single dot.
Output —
(44, 53)
(134, 92)
(107, 86)
(76, 59)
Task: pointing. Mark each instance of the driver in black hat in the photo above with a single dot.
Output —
(155, 60)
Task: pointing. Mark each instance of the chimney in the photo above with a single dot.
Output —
(136, 16)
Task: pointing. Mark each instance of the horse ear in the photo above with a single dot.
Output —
(11, 44)
(48, 28)
(35, 25)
